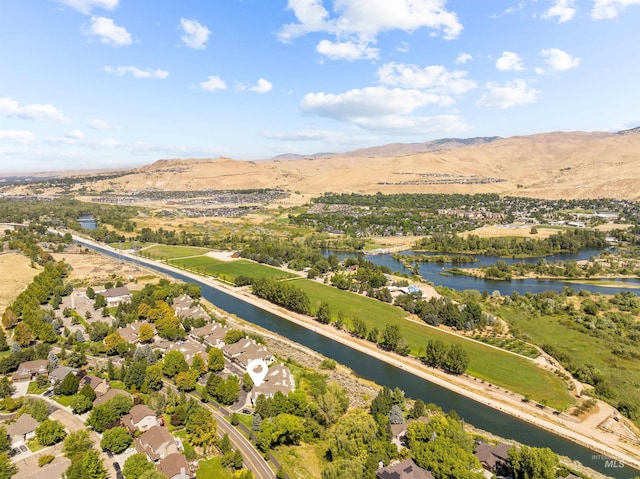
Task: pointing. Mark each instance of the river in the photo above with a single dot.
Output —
(433, 272)
(365, 366)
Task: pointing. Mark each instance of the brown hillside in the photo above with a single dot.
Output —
(550, 165)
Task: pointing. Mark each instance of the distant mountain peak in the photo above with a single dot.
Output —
(630, 131)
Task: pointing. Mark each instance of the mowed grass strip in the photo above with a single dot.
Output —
(168, 252)
(229, 270)
(486, 363)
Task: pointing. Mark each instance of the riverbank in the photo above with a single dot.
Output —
(483, 393)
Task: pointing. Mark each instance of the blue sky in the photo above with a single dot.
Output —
(114, 83)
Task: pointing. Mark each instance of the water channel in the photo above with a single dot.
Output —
(382, 373)
(433, 272)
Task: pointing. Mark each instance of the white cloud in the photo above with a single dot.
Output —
(463, 58)
(20, 137)
(563, 10)
(304, 135)
(560, 60)
(347, 50)
(99, 124)
(403, 47)
(35, 111)
(414, 125)
(109, 32)
(75, 135)
(137, 72)
(195, 34)
(357, 104)
(263, 86)
(213, 83)
(607, 9)
(435, 78)
(509, 61)
(513, 93)
(85, 6)
(365, 19)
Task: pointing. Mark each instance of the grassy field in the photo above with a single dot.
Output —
(212, 468)
(623, 374)
(169, 252)
(303, 461)
(229, 270)
(497, 367)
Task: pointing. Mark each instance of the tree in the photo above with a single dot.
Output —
(22, 335)
(359, 328)
(50, 432)
(216, 360)
(529, 462)
(174, 363)
(9, 319)
(136, 465)
(136, 374)
(391, 337)
(6, 387)
(418, 409)
(3, 341)
(69, 385)
(112, 343)
(80, 404)
(435, 353)
(201, 428)
(5, 441)
(76, 444)
(38, 409)
(154, 377)
(7, 468)
(228, 390)
(446, 460)
(100, 302)
(92, 467)
(116, 439)
(247, 382)
(197, 365)
(185, 381)
(88, 392)
(352, 434)
(457, 360)
(152, 474)
(146, 332)
(395, 415)
(324, 313)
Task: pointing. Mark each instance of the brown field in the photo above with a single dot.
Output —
(94, 268)
(493, 231)
(16, 275)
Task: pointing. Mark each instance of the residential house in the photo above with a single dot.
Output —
(185, 307)
(98, 385)
(278, 378)
(189, 348)
(493, 458)
(131, 332)
(399, 431)
(406, 469)
(139, 418)
(246, 350)
(110, 394)
(175, 466)
(157, 443)
(28, 370)
(211, 334)
(117, 295)
(23, 429)
(58, 374)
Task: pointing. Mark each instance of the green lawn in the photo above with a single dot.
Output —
(212, 468)
(497, 367)
(168, 252)
(63, 400)
(229, 270)
(34, 389)
(568, 337)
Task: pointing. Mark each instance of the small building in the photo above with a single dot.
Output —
(23, 429)
(110, 394)
(246, 350)
(406, 469)
(157, 443)
(278, 378)
(175, 466)
(98, 385)
(185, 307)
(58, 374)
(211, 334)
(399, 431)
(493, 458)
(117, 295)
(139, 418)
(29, 370)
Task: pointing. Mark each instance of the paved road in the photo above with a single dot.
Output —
(252, 458)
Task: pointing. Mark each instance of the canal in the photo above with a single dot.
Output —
(384, 374)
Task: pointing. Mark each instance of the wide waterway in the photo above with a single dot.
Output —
(384, 374)
(433, 272)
